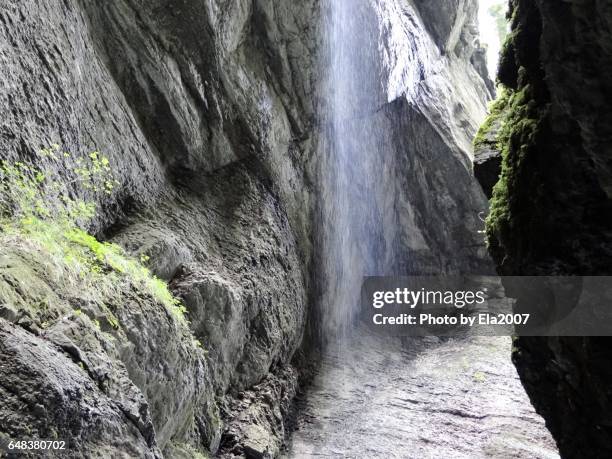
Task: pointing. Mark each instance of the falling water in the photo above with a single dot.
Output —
(375, 396)
(357, 220)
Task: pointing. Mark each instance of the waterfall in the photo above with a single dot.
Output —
(381, 70)
(357, 175)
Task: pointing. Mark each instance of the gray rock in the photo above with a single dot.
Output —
(46, 395)
(211, 115)
(453, 25)
(487, 167)
(487, 155)
(558, 202)
(255, 419)
(379, 397)
(126, 345)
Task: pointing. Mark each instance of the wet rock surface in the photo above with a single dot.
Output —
(47, 395)
(381, 398)
(487, 166)
(487, 157)
(215, 94)
(256, 426)
(116, 347)
(552, 214)
(210, 113)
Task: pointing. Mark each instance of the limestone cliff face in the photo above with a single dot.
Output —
(210, 114)
(206, 129)
(551, 208)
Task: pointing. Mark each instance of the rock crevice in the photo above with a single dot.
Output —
(550, 211)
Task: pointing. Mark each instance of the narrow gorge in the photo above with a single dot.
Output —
(193, 191)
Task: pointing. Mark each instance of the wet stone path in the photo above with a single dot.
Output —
(428, 398)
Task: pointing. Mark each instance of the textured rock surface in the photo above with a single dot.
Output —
(487, 167)
(258, 416)
(381, 398)
(552, 209)
(117, 349)
(209, 112)
(487, 156)
(45, 394)
(202, 94)
(454, 28)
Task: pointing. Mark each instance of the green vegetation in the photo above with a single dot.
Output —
(519, 127)
(40, 214)
(27, 192)
(498, 13)
(187, 450)
(511, 128)
(485, 134)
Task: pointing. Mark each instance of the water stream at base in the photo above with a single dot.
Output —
(428, 398)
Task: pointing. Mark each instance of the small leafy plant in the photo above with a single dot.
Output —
(45, 208)
(26, 191)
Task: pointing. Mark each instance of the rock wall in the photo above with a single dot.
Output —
(210, 115)
(550, 212)
(206, 128)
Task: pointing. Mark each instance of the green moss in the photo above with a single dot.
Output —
(507, 68)
(86, 263)
(186, 450)
(496, 109)
(98, 256)
(516, 137)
